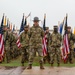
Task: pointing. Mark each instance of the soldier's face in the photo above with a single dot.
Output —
(36, 23)
(69, 30)
(5, 28)
(26, 29)
(56, 30)
(47, 30)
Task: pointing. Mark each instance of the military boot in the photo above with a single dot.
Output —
(41, 65)
(29, 66)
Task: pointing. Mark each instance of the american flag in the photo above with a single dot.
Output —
(21, 31)
(1, 40)
(65, 48)
(44, 41)
(44, 46)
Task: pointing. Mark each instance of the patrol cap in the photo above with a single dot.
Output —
(26, 26)
(69, 27)
(36, 19)
(55, 26)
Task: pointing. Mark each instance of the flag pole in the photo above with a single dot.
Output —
(58, 23)
(30, 18)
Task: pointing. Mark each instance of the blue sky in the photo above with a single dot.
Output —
(55, 11)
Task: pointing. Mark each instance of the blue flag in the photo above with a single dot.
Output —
(25, 23)
(61, 27)
(44, 23)
(22, 25)
(66, 25)
(2, 22)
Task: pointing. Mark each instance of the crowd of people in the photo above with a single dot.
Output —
(31, 42)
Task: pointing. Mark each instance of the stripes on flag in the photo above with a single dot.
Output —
(1, 40)
(21, 31)
(65, 49)
(44, 46)
(44, 41)
(18, 43)
(1, 44)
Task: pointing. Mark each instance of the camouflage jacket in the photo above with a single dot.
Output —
(14, 40)
(7, 38)
(36, 35)
(71, 39)
(47, 38)
(55, 40)
(24, 39)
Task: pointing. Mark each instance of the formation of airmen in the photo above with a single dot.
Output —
(31, 42)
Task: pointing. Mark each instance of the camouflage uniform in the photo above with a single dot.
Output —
(14, 50)
(7, 40)
(71, 39)
(24, 39)
(55, 43)
(36, 35)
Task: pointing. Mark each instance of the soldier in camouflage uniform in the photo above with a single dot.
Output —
(55, 44)
(14, 49)
(36, 35)
(11, 42)
(7, 40)
(71, 40)
(47, 57)
(24, 39)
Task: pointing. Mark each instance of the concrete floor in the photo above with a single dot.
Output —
(36, 71)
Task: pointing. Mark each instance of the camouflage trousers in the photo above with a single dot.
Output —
(70, 56)
(47, 58)
(55, 53)
(24, 54)
(7, 49)
(14, 51)
(32, 54)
